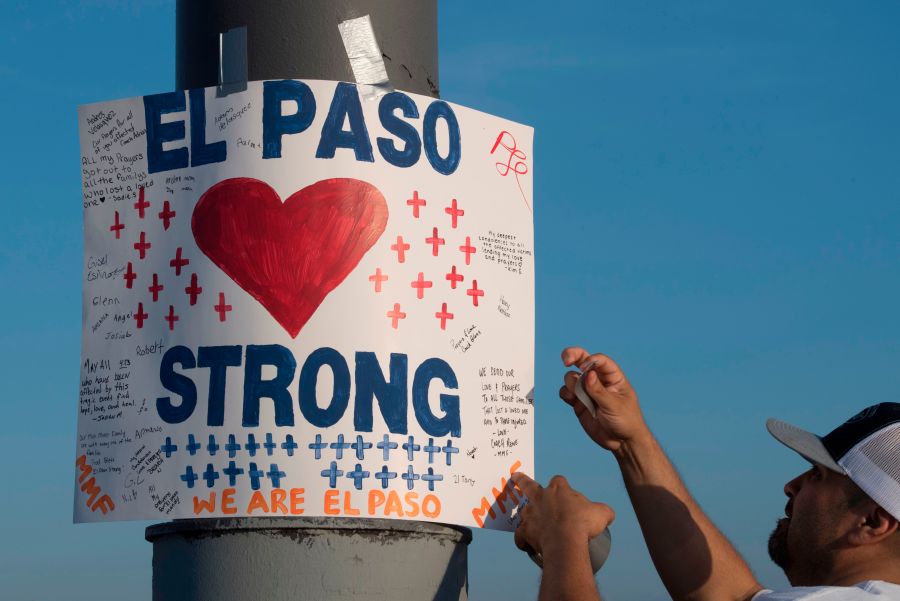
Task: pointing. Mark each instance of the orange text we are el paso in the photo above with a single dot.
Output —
(334, 502)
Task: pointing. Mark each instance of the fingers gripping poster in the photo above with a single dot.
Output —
(301, 302)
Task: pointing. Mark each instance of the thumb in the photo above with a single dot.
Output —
(594, 386)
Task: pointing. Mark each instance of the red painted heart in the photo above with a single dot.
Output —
(289, 255)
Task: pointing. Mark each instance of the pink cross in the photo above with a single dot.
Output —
(222, 308)
(435, 242)
(396, 314)
(178, 262)
(420, 284)
(415, 202)
(474, 292)
(142, 246)
(468, 249)
(140, 316)
(171, 317)
(166, 215)
(454, 277)
(155, 288)
(401, 249)
(193, 290)
(454, 212)
(141, 204)
(117, 227)
(378, 278)
(129, 276)
(443, 316)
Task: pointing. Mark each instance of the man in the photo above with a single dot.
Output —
(839, 539)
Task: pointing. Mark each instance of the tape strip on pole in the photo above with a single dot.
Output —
(365, 57)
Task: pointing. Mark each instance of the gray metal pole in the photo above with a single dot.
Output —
(307, 558)
(299, 39)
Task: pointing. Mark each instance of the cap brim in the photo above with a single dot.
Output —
(807, 444)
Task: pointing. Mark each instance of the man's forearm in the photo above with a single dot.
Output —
(691, 555)
(567, 572)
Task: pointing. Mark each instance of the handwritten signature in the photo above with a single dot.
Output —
(515, 162)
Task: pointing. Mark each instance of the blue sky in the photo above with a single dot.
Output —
(716, 206)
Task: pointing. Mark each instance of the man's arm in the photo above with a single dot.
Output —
(693, 558)
(558, 522)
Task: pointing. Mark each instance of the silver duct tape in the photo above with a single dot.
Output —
(365, 57)
(232, 61)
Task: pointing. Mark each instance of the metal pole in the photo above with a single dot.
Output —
(299, 39)
(307, 558)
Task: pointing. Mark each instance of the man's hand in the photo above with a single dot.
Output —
(558, 516)
(619, 419)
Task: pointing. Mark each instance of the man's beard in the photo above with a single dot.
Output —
(778, 544)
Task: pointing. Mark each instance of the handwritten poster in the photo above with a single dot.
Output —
(301, 302)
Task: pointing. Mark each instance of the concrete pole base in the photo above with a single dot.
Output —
(302, 559)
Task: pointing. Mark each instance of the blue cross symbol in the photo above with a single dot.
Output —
(332, 473)
(232, 471)
(189, 476)
(386, 445)
(212, 447)
(339, 447)
(210, 475)
(251, 445)
(385, 475)
(232, 447)
(360, 446)
(410, 477)
(450, 450)
(269, 445)
(318, 446)
(289, 445)
(358, 474)
(431, 449)
(430, 477)
(275, 476)
(255, 475)
(192, 445)
(410, 448)
(168, 448)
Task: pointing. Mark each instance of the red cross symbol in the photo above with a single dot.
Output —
(415, 202)
(401, 248)
(140, 316)
(155, 288)
(194, 290)
(171, 317)
(141, 204)
(434, 241)
(178, 262)
(468, 249)
(454, 212)
(166, 215)
(142, 246)
(454, 277)
(378, 278)
(222, 308)
(396, 314)
(117, 227)
(420, 284)
(474, 292)
(129, 276)
(443, 316)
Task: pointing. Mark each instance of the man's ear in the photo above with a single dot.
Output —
(875, 526)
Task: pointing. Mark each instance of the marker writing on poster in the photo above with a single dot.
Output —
(515, 161)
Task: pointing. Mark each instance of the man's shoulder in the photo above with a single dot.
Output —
(869, 590)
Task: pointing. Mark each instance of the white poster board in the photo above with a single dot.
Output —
(301, 302)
